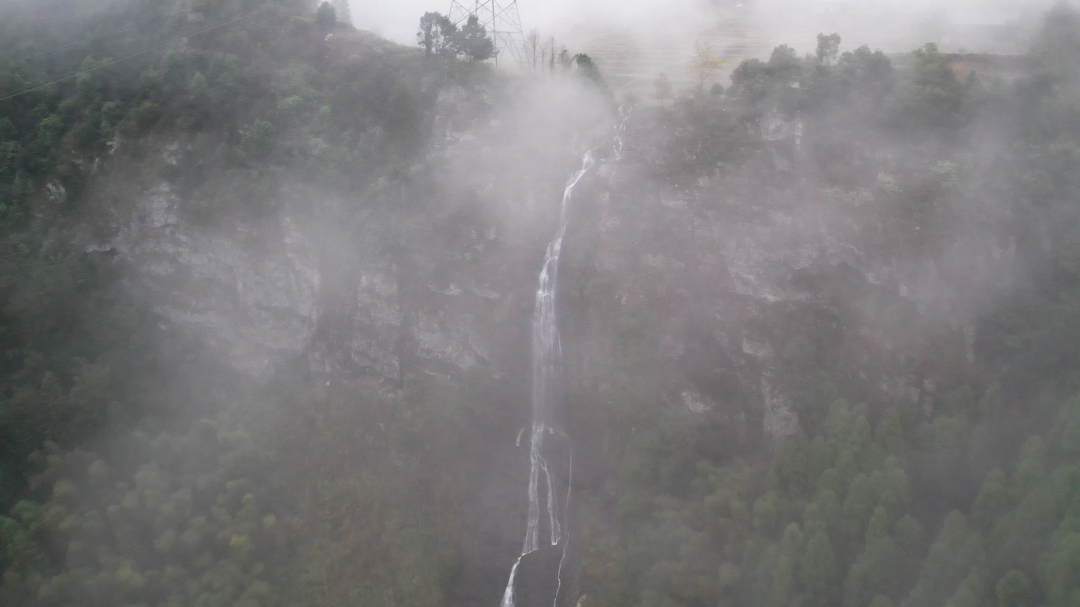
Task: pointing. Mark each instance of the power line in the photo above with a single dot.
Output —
(71, 75)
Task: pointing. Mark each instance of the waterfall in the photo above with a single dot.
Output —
(543, 514)
(546, 395)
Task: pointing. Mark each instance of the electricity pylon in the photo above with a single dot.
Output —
(502, 21)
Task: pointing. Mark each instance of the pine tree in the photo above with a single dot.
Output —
(819, 574)
(473, 41)
(325, 16)
(1014, 590)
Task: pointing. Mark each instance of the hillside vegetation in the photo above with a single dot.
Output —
(960, 491)
(114, 494)
(138, 469)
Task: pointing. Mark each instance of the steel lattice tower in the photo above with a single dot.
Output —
(500, 18)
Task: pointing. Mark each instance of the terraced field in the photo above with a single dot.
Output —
(631, 61)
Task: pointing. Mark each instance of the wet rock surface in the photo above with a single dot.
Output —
(538, 577)
(250, 290)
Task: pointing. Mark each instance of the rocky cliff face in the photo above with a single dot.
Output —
(752, 284)
(250, 289)
(255, 291)
(731, 299)
(742, 288)
(282, 287)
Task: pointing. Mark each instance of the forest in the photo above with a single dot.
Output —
(138, 469)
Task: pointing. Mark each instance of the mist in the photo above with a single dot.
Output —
(862, 23)
(764, 303)
(633, 41)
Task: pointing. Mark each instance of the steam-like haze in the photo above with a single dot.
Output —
(357, 233)
(397, 20)
(632, 41)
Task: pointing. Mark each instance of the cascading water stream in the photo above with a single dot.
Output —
(547, 354)
(546, 384)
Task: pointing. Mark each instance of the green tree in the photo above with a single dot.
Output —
(947, 564)
(7, 129)
(1031, 470)
(824, 514)
(890, 432)
(828, 47)
(750, 81)
(1065, 437)
(766, 514)
(992, 503)
(859, 506)
(893, 489)
(1014, 589)
(473, 41)
(873, 573)
(1062, 571)
(587, 68)
(785, 68)
(777, 574)
(931, 95)
(437, 34)
(764, 563)
(819, 572)
(325, 16)
(260, 139)
(137, 531)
